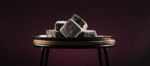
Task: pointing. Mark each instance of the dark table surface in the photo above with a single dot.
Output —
(89, 42)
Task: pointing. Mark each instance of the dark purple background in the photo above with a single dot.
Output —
(127, 20)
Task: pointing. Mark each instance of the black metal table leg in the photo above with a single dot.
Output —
(106, 56)
(100, 57)
(103, 56)
(44, 56)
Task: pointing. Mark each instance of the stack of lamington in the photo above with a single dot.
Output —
(75, 27)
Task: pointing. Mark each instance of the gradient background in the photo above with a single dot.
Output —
(128, 21)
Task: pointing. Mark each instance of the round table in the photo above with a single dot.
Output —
(99, 42)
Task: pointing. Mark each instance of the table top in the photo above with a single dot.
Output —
(99, 41)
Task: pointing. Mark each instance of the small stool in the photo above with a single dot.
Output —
(101, 43)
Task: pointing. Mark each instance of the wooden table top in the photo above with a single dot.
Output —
(99, 41)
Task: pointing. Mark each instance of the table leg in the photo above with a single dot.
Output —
(106, 56)
(44, 56)
(103, 56)
(100, 57)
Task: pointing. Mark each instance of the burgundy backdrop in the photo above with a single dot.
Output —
(127, 20)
